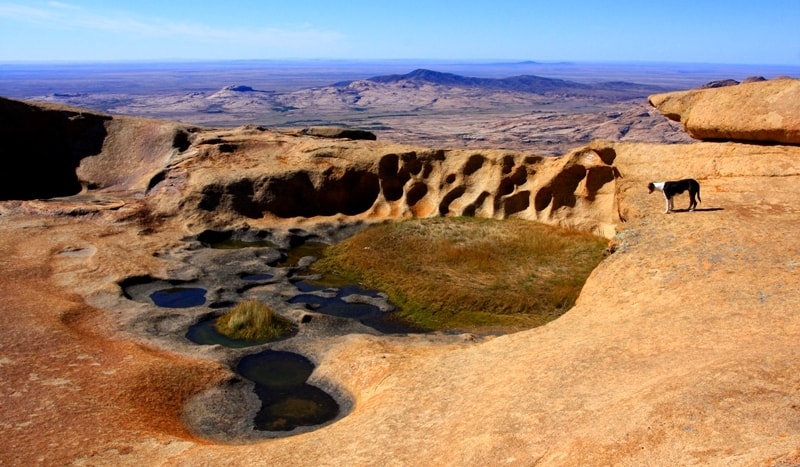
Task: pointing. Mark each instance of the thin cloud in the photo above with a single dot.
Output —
(26, 14)
(63, 5)
(60, 15)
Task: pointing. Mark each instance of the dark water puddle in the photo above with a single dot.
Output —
(287, 401)
(257, 277)
(280, 378)
(343, 290)
(204, 333)
(179, 297)
(369, 315)
(293, 256)
(228, 240)
(233, 244)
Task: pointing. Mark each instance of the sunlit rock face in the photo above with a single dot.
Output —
(257, 174)
(755, 111)
(211, 178)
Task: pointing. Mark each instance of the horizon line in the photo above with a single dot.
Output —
(487, 61)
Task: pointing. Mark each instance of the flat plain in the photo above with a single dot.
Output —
(444, 104)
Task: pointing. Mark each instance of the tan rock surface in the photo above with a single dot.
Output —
(758, 111)
(274, 178)
(681, 350)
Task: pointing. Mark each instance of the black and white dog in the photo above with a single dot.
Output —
(670, 189)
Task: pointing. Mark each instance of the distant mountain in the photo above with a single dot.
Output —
(423, 107)
(422, 75)
(238, 88)
(523, 83)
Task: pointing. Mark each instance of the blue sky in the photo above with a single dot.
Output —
(697, 31)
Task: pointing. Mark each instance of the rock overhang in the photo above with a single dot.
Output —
(752, 112)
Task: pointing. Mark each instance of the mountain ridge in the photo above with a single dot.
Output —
(520, 83)
(424, 106)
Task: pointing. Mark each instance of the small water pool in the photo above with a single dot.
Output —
(204, 333)
(293, 256)
(179, 297)
(367, 314)
(287, 400)
(234, 244)
(257, 277)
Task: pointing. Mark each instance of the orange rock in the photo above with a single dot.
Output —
(756, 111)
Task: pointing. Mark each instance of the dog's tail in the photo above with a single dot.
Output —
(696, 188)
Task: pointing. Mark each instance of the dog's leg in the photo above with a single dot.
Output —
(669, 204)
(692, 202)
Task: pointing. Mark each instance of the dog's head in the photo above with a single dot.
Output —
(650, 187)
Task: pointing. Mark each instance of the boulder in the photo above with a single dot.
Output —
(758, 111)
(753, 79)
(719, 83)
(338, 132)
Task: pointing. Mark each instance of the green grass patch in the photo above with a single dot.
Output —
(253, 320)
(469, 273)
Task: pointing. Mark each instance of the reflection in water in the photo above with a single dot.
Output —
(204, 333)
(257, 277)
(316, 249)
(179, 297)
(369, 315)
(287, 401)
(280, 378)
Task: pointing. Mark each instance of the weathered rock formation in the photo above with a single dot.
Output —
(261, 176)
(217, 178)
(756, 111)
(682, 348)
(51, 150)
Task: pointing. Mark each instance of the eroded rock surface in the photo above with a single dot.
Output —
(274, 177)
(682, 348)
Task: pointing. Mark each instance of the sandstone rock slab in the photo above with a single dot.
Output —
(758, 111)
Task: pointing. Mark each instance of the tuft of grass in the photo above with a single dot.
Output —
(253, 320)
(470, 273)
